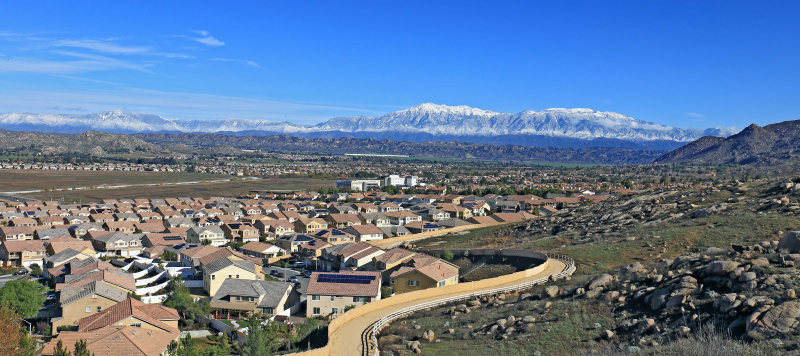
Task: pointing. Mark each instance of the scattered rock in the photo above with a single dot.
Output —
(551, 291)
(429, 335)
(720, 268)
(601, 281)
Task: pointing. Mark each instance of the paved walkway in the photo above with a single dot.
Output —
(355, 337)
(196, 333)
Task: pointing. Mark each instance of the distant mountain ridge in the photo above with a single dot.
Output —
(425, 122)
(771, 145)
(99, 143)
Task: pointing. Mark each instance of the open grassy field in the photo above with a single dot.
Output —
(17, 180)
(208, 189)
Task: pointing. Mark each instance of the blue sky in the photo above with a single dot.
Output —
(685, 64)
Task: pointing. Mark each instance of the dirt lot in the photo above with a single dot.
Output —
(16, 180)
(224, 189)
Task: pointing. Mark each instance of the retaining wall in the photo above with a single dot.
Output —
(461, 288)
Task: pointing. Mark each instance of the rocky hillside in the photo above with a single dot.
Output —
(665, 271)
(90, 142)
(771, 145)
(592, 155)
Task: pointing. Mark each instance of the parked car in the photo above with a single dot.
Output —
(279, 275)
(50, 297)
(293, 279)
(21, 272)
(299, 264)
(273, 272)
(307, 273)
(297, 285)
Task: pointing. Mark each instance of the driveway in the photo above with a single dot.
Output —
(288, 273)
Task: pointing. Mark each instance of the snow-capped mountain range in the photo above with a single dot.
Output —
(425, 122)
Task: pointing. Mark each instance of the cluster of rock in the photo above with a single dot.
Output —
(594, 222)
(749, 290)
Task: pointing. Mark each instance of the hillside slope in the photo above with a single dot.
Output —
(771, 145)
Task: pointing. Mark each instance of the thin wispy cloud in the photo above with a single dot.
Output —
(250, 63)
(178, 105)
(102, 46)
(59, 108)
(205, 39)
(86, 63)
(175, 55)
(696, 115)
(87, 80)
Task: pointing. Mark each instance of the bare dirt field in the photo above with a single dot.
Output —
(201, 189)
(17, 180)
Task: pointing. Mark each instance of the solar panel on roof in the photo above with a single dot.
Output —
(172, 238)
(345, 278)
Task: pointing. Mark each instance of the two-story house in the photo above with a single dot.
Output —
(20, 253)
(216, 272)
(402, 217)
(422, 272)
(118, 244)
(309, 225)
(364, 233)
(330, 293)
(214, 235)
(242, 297)
(341, 221)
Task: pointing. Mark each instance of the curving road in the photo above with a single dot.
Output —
(355, 336)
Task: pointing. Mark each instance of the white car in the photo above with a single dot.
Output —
(50, 297)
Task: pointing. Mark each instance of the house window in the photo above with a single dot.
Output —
(136, 325)
(238, 298)
(213, 277)
(335, 311)
(99, 309)
(413, 283)
(441, 284)
(332, 298)
(315, 311)
(266, 310)
(392, 281)
(315, 297)
(360, 299)
(88, 309)
(237, 276)
(230, 276)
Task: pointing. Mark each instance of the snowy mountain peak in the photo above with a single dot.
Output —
(426, 121)
(431, 108)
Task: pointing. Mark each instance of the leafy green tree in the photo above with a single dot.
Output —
(206, 242)
(36, 271)
(134, 296)
(236, 245)
(180, 299)
(262, 338)
(81, 349)
(448, 255)
(386, 292)
(23, 296)
(60, 351)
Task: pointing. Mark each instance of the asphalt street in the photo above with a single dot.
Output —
(287, 272)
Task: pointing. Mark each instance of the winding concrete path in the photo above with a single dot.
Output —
(354, 338)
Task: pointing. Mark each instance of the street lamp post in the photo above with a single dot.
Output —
(30, 327)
